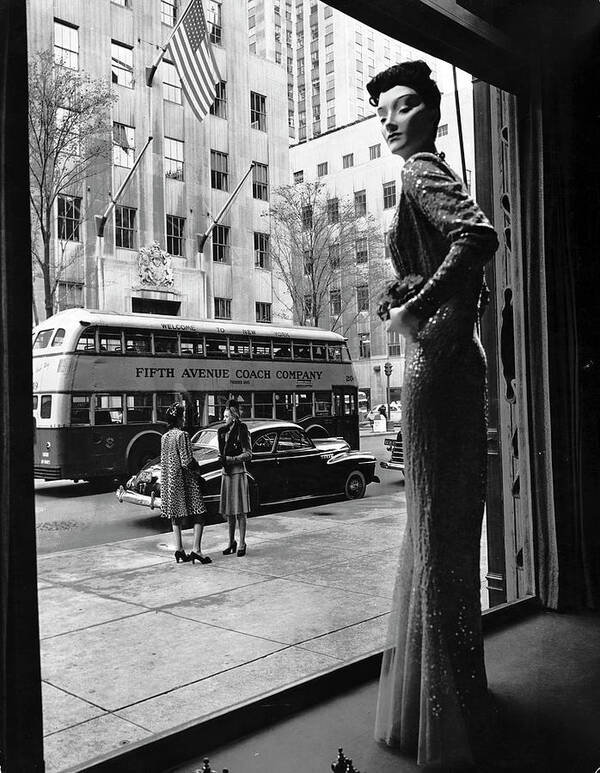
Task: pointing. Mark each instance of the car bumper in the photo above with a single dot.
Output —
(392, 466)
(125, 495)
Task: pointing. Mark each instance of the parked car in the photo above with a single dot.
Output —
(287, 466)
(395, 414)
(395, 447)
(363, 406)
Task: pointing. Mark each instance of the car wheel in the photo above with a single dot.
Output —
(355, 485)
(140, 455)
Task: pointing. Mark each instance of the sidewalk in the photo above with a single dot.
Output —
(133, 644)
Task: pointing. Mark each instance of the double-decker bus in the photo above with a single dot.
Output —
(102, 381)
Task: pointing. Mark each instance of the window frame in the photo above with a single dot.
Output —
(71, 232)
(225, 305)
(219, 177)
(121, 229)
(258, 111)
(119, 66)
(123, 155)
(175, 237)
(263, 312)
(261, 250)
(260, 186)
(72, 54)
(173, 164)
(221, 243)
(219, 105)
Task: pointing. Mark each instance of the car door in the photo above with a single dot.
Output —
(262, 467)
(298, 464)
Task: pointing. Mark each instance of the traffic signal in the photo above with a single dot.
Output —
(387, 368)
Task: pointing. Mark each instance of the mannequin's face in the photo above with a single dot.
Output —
(407, 124)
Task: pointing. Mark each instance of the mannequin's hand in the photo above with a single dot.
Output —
(403, 322)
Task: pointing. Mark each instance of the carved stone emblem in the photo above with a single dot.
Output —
(155, 266)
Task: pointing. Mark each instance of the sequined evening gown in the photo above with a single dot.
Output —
(433, 698)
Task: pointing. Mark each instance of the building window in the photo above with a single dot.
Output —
(69, 218)
(168, 12)
(220, 243)
(335, 302)
(66, 45)
(308, 305)
(334, 256)
(175, 235)
(389, 194)
(171, 83)
(395, 344)
(374, 152)
(327, 12)
(173, 159)
(260, 182)
(213, 18)
(222, 308)
(69, 295)
(122, 3)
(348, 160)
(362, 250)
(125, 226)
(263, 312)
(364, 346)
(219, 106)
(123, 145)
(442, 130)
(261, 250)
(299, 177)
(362, 298)
(307, 216)
(121, 64)
(66, 121)
(219, 170)
(322, 169)
(333, 210)
(258, 111)
(360, 203)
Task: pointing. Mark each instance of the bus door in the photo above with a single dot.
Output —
(345, 411)
(108, 438)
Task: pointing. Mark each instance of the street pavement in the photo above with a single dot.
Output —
(134, 644)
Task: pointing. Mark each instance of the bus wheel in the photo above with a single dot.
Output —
(316, 431)
(355, 485)
(140, 455)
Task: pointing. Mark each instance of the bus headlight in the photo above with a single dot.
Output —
(48, 445)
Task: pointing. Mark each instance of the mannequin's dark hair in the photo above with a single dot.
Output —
(234, 407)
(415, 75)
(174, 413)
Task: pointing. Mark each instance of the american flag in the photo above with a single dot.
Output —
(194, 59)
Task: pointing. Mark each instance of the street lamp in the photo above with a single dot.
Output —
(387, 369)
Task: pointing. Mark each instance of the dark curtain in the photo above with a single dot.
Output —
(20, 689)
(564, 92)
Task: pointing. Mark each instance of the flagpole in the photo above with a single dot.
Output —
(203, 237)
(101, 223)
(150, 71)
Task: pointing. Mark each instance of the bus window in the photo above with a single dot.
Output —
(319, 351)
(322, 403)
(302, 350)
(165, 344)
(215, 405)
(139, 408)
(245, 402)
(80, 409)
(110, 341)
(304, 405)
(346, 353)
(261, 349)
(46, 407)
(35, 402)
(137, 342)
(59, 337)
(335, 352)
(163, 401)
(282, 350)
(109, 409)
(216, 347)
(42, 339)
(192, 346)
(263, 405)
(87, 341)
(284, 406)
(239, 348)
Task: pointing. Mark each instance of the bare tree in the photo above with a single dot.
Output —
(69, 141)
(327, 253)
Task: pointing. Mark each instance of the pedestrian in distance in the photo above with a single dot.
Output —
(180, 492)
(433, 697)
(234, 451)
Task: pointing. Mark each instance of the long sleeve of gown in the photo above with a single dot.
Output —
(447, 206)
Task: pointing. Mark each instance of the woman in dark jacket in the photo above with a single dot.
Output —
(234, 450)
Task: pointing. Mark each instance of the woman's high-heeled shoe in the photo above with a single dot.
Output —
(242, 552)
(197, 557)
(231, 549)
(181, 555)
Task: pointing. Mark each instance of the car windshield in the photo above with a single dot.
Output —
(206, 437)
